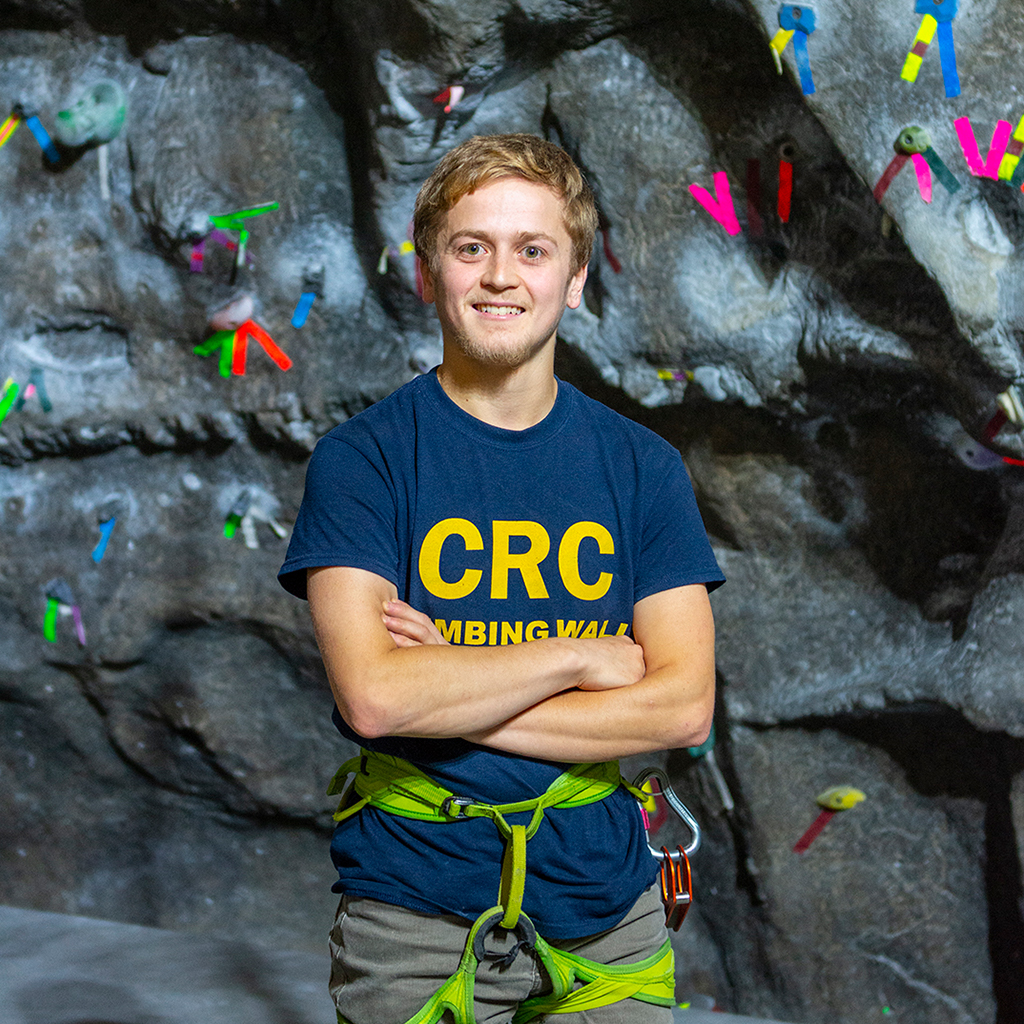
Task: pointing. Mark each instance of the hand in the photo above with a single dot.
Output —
(408, 627)
(615, 661)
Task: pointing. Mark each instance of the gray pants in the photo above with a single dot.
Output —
(386, 962)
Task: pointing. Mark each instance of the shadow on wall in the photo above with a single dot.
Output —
(80, 1002)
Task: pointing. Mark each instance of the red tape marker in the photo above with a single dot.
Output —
(608, 254)
(992, 428)
(994, 425)
(253, 329)
(838, 798)
(785, 189)
(889, 175)
(814, 831)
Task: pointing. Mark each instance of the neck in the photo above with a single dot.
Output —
(511, 397)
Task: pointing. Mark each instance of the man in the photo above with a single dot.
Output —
(476, 549)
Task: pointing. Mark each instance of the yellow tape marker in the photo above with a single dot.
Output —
(778, 44)
(925, 34)
(7, 128)
(1013, 153)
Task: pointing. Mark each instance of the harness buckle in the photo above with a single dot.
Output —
(458, 802)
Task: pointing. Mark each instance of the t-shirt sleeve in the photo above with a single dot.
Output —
(674, 547)
(347, 517)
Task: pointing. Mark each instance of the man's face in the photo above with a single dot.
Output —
(503, 276)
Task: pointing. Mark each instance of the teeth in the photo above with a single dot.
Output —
(501, 310)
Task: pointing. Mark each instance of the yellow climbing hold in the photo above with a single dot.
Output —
(840, 798)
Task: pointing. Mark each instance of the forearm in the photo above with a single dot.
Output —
(670, 707)
(590, 725)
(449, 691)
(387, 684)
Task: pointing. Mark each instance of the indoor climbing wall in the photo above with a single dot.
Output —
(808, 277)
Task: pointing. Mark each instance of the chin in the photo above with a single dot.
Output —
(507, 355)
(500, 349)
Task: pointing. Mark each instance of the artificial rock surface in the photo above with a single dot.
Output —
(834, 377)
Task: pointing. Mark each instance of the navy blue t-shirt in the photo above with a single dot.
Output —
(500, 536)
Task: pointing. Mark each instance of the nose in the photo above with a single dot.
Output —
(500, 271)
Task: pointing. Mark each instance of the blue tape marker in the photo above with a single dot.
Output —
(35, 126)
(796, 18)
(303, 308)
(940, 10)
(106, 529)
(947, 57)
(803, 63)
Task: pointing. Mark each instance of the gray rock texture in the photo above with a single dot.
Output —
(831, 378)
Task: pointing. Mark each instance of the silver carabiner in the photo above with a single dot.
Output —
(677, 805)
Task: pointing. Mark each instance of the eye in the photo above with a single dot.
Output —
(533, 252)
(472, 249)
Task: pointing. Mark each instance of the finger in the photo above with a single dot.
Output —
(404, 641)
(413, 630)
(405, 619)
(406, 613)
(396, 606)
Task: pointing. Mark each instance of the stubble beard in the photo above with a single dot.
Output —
(506, 355)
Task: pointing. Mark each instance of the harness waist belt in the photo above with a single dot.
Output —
(398, 787)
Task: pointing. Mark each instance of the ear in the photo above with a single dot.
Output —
(428, 280)
(576, 283)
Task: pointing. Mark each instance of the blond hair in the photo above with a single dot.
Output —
(486, 158)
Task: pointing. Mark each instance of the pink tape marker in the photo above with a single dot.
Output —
(720, 207)
(996, 150)
(924, 176)
(76, 613)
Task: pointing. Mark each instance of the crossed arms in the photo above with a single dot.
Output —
(560, 698)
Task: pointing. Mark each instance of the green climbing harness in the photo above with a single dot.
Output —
(393, 785)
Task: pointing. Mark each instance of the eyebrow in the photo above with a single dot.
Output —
(520, 239)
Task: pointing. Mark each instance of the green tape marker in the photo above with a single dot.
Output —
(231, 524)
(232, 221)
(1017, 181)
(236, 222)
(941, 171)
(50, 622)
(223, 340)
(227, 354)
(11, 390)
(209, 347)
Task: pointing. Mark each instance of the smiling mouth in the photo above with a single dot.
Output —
(499, 310)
